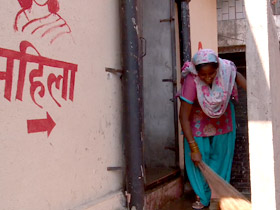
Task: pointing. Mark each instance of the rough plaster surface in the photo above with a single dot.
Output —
(230, 9)
(277, 23)
(69, 167)
(232, 32)
(263, 104)
(274, 53)
(112, 201)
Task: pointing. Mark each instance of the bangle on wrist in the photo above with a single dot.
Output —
(194, 147)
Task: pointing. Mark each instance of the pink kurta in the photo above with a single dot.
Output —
(201, 124)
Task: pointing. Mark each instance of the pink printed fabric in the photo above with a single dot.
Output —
(201, 124)
(213, 100)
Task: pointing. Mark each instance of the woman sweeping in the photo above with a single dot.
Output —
(208, 119)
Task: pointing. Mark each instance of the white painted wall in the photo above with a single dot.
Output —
(274, 54)
(68, 169)
(262, 52)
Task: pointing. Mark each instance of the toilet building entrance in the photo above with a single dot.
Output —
(159, 108)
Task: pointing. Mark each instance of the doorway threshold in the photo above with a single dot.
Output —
(158, 176)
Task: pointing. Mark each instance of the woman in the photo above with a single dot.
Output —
(39, 18)
(208, 119)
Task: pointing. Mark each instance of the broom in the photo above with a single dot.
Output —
(229, 197)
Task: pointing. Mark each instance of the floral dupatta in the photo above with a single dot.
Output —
(213, 101)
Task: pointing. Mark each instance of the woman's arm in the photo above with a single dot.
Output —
(185, 111)
(241, 81)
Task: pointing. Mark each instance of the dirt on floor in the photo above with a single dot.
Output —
(185, 203)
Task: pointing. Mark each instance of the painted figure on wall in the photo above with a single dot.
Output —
(41, 19)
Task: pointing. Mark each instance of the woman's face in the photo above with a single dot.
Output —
(41, 2)
(207, 74)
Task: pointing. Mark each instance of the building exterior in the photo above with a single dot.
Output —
(62, 141)
(262, 52)
(231, 22)
(276, 14)
(232, 31)
(256, 34)
(64, 71)
(61, 111)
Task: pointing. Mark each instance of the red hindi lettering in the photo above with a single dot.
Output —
(69, 70)
(22, 67)
(36, 84)
(8, 77)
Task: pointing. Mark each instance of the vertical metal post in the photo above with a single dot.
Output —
(131, 100)
(185, 31)
(174, 78)
(185, 39)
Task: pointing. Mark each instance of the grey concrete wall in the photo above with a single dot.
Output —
(231, 22)
(230, 9)
(232, 32)
(157, 65)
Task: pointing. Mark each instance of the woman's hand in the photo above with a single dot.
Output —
(196, 158)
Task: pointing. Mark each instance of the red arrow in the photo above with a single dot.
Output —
(41, 125)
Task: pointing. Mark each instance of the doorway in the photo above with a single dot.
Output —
(159, 108)
(240, 175)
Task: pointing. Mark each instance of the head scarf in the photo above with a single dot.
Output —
(213, 100)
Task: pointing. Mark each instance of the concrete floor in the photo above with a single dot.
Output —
(185, 203)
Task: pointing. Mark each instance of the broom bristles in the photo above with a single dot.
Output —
(230, 198)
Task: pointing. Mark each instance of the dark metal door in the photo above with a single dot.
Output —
(159, 84)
